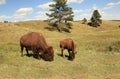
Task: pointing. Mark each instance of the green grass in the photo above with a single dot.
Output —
(93, 60)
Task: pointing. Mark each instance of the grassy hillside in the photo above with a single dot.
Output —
(98, 54)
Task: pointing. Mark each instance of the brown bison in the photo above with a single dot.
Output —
(36, 43)
(70, 46)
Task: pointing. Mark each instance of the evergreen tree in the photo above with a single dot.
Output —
(95, 19)
(60, 12)
(84, 21)
(5, 21)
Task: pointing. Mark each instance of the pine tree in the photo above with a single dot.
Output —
(84, 21)
(60, 12)
(95, 19)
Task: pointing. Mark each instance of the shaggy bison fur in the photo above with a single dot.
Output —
(36, 43)
(70, 46)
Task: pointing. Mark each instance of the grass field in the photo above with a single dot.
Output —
(98, 54)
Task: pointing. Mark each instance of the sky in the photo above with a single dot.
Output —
(22, 10)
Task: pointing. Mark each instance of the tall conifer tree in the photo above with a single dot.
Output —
(95, 19)
(60, 12)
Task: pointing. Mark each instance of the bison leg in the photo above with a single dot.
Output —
(69, 53)
(62, 51)
(27, 52)
(22, 50)
(36, 53)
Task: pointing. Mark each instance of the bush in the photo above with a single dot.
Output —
(68, 25)
(53, 24)
(119, 26)
(84, 21)
(115, 47)
(5, 21)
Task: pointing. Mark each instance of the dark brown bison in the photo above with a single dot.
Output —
(70, 46)
(36, 43)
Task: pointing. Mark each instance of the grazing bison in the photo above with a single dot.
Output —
(37, 43)
(70, 46)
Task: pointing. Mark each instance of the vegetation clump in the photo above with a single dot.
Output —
(95, 19)
(84, 21)
(114, 47)
(60, 13)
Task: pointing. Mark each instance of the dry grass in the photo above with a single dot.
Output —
(92, 61)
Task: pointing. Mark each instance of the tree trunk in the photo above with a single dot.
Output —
(58, 27)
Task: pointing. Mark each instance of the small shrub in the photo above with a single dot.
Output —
(119, 26)
(84, 21)
(89, 23)
(68, 25)
(115, 46)
(5, 21)
(53, 24)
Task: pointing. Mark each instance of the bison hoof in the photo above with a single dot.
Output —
(28, 55)
(63, 56)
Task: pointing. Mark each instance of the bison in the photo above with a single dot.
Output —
(36, 43)
(70, 46)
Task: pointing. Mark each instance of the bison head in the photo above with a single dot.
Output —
(71, 56)
(48, 55)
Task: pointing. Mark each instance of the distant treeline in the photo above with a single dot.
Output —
(115, 20)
